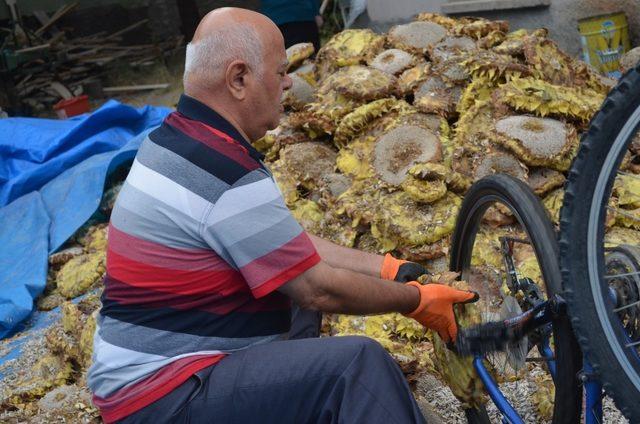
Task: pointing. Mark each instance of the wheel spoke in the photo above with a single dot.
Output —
(614, 276)
(630, 305)
(633, 344)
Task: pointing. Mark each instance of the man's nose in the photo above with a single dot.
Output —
(288, 82)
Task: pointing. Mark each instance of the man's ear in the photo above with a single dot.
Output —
(236, 78)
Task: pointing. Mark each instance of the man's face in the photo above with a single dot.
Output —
(266, 103)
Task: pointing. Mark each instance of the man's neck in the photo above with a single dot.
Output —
(219, 108)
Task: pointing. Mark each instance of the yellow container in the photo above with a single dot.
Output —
(605, 38)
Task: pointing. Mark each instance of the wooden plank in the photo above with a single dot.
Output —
(33, 49)
(56, 17)
(135, 87)
(127, 29)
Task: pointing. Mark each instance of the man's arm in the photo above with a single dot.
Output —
(327, 288)
(344, 257)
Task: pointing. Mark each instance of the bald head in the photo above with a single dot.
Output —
(223, 36)
(237, 65)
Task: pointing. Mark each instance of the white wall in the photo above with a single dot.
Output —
(397, 10)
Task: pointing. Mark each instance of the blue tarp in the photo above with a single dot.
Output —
(67, 163)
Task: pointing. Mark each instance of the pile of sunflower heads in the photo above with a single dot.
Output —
(383, 134)
(49, 381)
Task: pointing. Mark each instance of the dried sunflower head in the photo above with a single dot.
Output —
(300, 94)
(368, 243)
(409, 80)
(283, 135)
(551, 63)
(433, 95)
(452, 71)
(393, 61)
(627, 189)
(543, 180)
(538, 141)
(399, 149)
(298, 53)
(630, 59)
(321, 117)
(401, 221)
(426, 182)
(357, 120)
(476, 164)
(331, 186)
(357, 159)
(492, 39)
(553, 203)
(589, 77)
(546, 99)
(488, 64)
(425, 252)
(416, 37)
(346, 48)
(308, 214)
(478, 28)
(360, 82)
(514, 42)
(308, 162)
(445, 21)
(616, 236)
(361, 201)
(286, 182)
(480, 89)
(474, 124)
(80, 273)
(451, 47)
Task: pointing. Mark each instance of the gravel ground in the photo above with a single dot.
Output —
(440, 406)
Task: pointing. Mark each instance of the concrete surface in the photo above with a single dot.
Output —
(463, 6)
(560, 17)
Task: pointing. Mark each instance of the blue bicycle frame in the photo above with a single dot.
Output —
(515, 327)
(592, 387)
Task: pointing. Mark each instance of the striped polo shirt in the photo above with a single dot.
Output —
(199, 241)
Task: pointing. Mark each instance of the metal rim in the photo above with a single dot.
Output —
(595, 249)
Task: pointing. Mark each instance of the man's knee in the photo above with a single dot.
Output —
(364, 347)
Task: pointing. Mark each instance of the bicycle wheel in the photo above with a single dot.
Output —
(514, 267)
(598, 245)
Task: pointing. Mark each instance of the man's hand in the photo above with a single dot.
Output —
(319, 21)
(435, 310)
(401, 271)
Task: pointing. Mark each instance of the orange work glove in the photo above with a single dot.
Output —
(435, 310)
(402, 271)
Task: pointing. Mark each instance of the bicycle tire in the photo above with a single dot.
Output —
(536, 223)
(592, 159)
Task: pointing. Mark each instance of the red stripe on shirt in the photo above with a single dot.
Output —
(130, 399)
(223, 282)
(267, 267)
(151, 253)
(212, 138)
(286, 276)
(125, 294)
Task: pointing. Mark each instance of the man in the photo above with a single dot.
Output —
(298, 20)
(204, 258)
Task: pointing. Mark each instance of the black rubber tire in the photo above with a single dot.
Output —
(535, 220)
(616, 110)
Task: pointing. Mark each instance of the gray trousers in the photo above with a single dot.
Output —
(308, 380)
